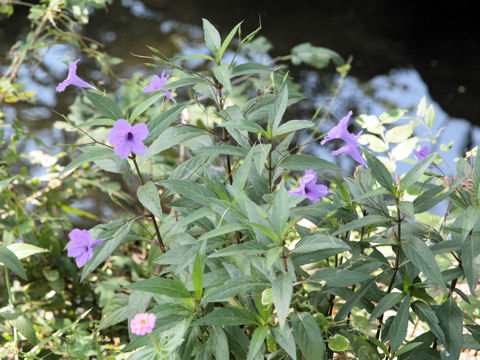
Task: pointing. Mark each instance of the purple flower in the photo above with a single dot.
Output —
(72, 78)
(420, 154)
(80, 246)
(127, 138)
(143, 323)
(341, 132)
(308, 187)
(158, 82)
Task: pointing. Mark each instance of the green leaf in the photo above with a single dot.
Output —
(338, 342)
(90, 153)
(353, 300)
(265, 231)
(114, 164)
(140, 109)
(224, 150)
(282, 290)
(451, 322)
(317, 242)
(20, 322)
(340, 277)
(362, 222)
(247, 248)
(392, 116)
(233, 287)
(240, 176)
(386, 302)
(471, 260)
(228, 39)
(159, 124)
(380, 172)
(172, 136)
(222, 230)
(303, 162)
(97, 122)
(250, 68)
(182, 82)
(285, 339)
(422, 107)
(407, 348)
(414, 174)
(398, 329)
(212, 38)
(430, 116)
(260, 155)
(222, 74)
(220, 343)
(228, 317)
(105, 249)
(426, 313)
(11, 261)
(292, 125)
(418, 252)
(197, 273)
(23, 250)
(162, 286)
(400, 133)
(315, 56)
(258, 337)
(192, 57)
(148, 195)
(279, 107)
(308, 336)
(105, 105)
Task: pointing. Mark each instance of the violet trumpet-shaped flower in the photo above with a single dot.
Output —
(143, 323)
(158, 82)
(422, 153)
(127, 138)
(341, 132)
(80, 246)
(72, 78)
(308, 187)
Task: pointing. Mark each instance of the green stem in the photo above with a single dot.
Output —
(10, 301)
(159, 350)
(155, 225)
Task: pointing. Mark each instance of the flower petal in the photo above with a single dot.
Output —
(82, 259)
(123, 149)
(138, 148)
(77, 235)
(139, 131)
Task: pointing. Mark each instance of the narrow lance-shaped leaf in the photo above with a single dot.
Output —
(212, 38)
(471, 260)
(106, 106)
(227, 40)
(398, 329)
(282, 294)
(451, 322)
(10, 260)
(197, 274)
(380, 172)
(308, 336)
(417, 171)
(421, 256)
(258, 337)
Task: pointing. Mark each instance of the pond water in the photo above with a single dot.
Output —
(400, 53)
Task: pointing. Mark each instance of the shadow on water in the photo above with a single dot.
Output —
(400, 53)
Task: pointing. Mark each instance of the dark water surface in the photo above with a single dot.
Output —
(401, 51)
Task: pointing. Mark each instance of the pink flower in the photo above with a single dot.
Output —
(127, 138)
(341, 132)
(80, 246)
(143, 323)
(308, 187)
(72, 78)
(158, 82)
